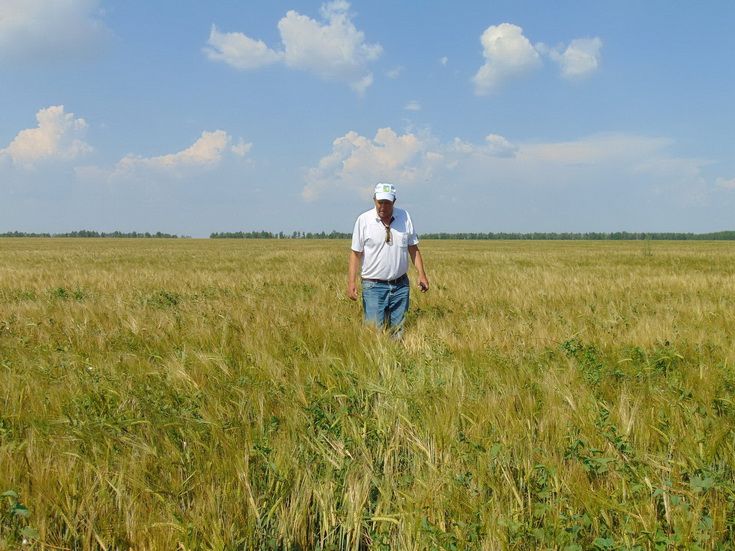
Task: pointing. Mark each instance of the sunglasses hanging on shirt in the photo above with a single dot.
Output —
(387, 229)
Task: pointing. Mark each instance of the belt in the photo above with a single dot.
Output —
(400, 279)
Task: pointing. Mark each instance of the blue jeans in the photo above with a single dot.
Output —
(385, 304)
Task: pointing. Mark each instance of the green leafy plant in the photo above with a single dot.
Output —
(14, 517)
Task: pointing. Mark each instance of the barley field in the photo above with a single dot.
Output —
(223, 394)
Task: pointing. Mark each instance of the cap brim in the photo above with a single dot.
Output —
(385, 197)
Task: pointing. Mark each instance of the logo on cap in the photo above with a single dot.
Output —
(385, 189)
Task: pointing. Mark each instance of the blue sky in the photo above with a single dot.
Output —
(194, 117)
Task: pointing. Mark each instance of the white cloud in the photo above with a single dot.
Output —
(241, 148)
(495, 146)
(498, 146)
(612, 164)
(413, 105)
(594, 149)
(332, 48)
(580, 58)
(681, 175)
(444, 60)
(394, 73)
(207, 151)
(238, 50)
(461, 147)
(508, 54)
(592, 183)
(362, 84)
(725, 183)
(58, 136)
(40, 30)
(357, 162)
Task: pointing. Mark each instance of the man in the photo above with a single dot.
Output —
(383, 239)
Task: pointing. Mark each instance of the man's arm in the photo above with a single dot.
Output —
(354, 268)
(418, 261)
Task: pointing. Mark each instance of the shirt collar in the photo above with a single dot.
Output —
(392, 219)
(377, 218)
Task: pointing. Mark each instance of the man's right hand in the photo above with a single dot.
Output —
(352, 291)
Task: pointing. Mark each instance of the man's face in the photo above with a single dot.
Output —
(384, 208)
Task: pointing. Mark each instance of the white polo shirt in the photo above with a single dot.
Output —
(383, 260)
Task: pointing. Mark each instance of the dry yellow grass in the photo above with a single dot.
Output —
(224, 394)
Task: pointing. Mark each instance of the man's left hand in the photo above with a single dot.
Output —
(423, 284)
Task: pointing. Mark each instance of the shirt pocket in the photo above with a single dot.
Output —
(403, 240)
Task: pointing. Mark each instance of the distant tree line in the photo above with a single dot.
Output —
(559, 236)
(90, 233)
(599, 236)
(280, 235)
(537, 236)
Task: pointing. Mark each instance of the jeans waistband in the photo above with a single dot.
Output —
(400, 279)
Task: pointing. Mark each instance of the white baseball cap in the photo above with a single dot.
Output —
(385, 191)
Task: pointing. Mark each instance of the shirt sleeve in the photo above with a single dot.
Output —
(357, 237)
(413, 238)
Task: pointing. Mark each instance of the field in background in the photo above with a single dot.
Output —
(222, 394)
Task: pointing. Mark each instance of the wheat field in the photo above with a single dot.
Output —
(224, 394)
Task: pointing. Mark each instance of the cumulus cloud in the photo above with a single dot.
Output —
(58, 136)
(356, 162)
(238, 50)
(580, 58)
(39, 30)
(508, 54)
(207, 151)
(333, 48)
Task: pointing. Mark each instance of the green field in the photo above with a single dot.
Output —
(223, 394)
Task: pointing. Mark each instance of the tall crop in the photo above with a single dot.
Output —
(224, 394)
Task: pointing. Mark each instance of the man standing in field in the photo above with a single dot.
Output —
(383, 239)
